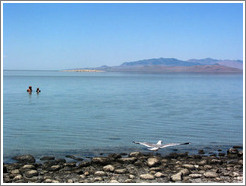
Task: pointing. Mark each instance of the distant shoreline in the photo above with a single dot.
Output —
(83, 70)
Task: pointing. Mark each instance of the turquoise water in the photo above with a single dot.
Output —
(92, 113)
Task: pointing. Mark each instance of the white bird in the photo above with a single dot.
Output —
(159, 145)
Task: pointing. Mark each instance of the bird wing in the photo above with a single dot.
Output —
(144, 143)
(173, 144)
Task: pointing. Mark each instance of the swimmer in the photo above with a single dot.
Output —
(38, 90)
(29, 89)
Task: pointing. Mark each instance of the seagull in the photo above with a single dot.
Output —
(159, 145)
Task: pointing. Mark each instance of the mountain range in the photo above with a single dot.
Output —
(163, 65)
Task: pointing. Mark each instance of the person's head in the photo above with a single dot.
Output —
(30, 87)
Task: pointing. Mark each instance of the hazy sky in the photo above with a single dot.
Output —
(63, 36)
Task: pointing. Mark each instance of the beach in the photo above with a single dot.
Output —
(135, 167)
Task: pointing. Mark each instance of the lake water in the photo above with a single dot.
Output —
(91, 113)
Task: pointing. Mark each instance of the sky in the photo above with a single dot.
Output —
(55, 36)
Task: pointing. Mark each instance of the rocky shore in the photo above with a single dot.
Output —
(135, 167)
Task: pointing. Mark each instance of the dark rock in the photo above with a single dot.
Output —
(127, 160)
(100, 160)
(45, 158)
(232, 151)
(74, 157)
(201, 152)
(114, 156)
(237, 147)
(84, 164)
(221, 154)
(5, 169)
(31, 173)
(25, 158)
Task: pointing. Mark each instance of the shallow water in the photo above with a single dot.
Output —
(91, 113)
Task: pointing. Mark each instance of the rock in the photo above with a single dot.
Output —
(202, 162)
(74, 157)
(155, 169)
(159, 175)
(195, 175)
(15, 171)
(31, 173)
(177, 177)
(55, 167)
(100, 173)
(215, 161)
(25, 158)
(153, 162)
(210, 174)
(128, 181)
(28, 167)
(221, 154)
(18, 177)
(131, 176)
(201, 152)
(147, 176)
(184, 172)
(120, 171)
(108, 168)
(69, 181)
(100, 160)
(237, 147)
(45, 158)
(135, 154)
(232, 151)
(98, 179)
(114, 156)
(84, 164)
(208, 167)
(5, 169)
(113, 181)
(188, 166)
(235, 174)
(127, 160)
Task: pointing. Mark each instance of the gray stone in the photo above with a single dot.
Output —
(44, 158)
(127, 160)
(31, 173)
(108, 168)
(100, 160)
(195, 175)
(55, 167)
(184, 172)
(25, 158)
(15, 171)
(210, 174)
(28, 167)
(120, 171)
(159, 175)
(188, 166)
(113, 181)
(135, 154)
(18, 177)
(100, 173)
(147, 176)
(153, 162)
(177, 177)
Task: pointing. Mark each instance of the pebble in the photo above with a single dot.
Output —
(15, 171)
(100, 173)
(159, 175)
(177, 177)
(147, 176)
(195, 175)
(153, 162)
(188, 166)
(210, 174)
(113, 181)
(28, 167)
(108, 168)
(31, 173)
(120, 171)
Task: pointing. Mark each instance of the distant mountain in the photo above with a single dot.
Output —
(160, 61)
(163, 65)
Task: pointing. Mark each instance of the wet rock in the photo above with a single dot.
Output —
(114, 156)
(28, 167)
(31, 173)
(210, 174)
(55, 167)
(195, 175)
(159, 175)
(201, 152)
(108, 168)
(208, 167)
(221, 154)
(237, 147)
(17, 177)
(232, 151)
(152, 162)
(15, 171)
(202, 162)
(188, 166)
(100, 160)
(25, 158)
(74, 157)
(147, 176)
(176, 177)
(100, 173)
(135, 154)
(98, 179)
(127, 160)
(131, 176)
(46, 158)
(120, 171)
(113, 181)
(84, 164)
(184, 172)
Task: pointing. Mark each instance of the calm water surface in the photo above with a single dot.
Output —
(90, 113)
